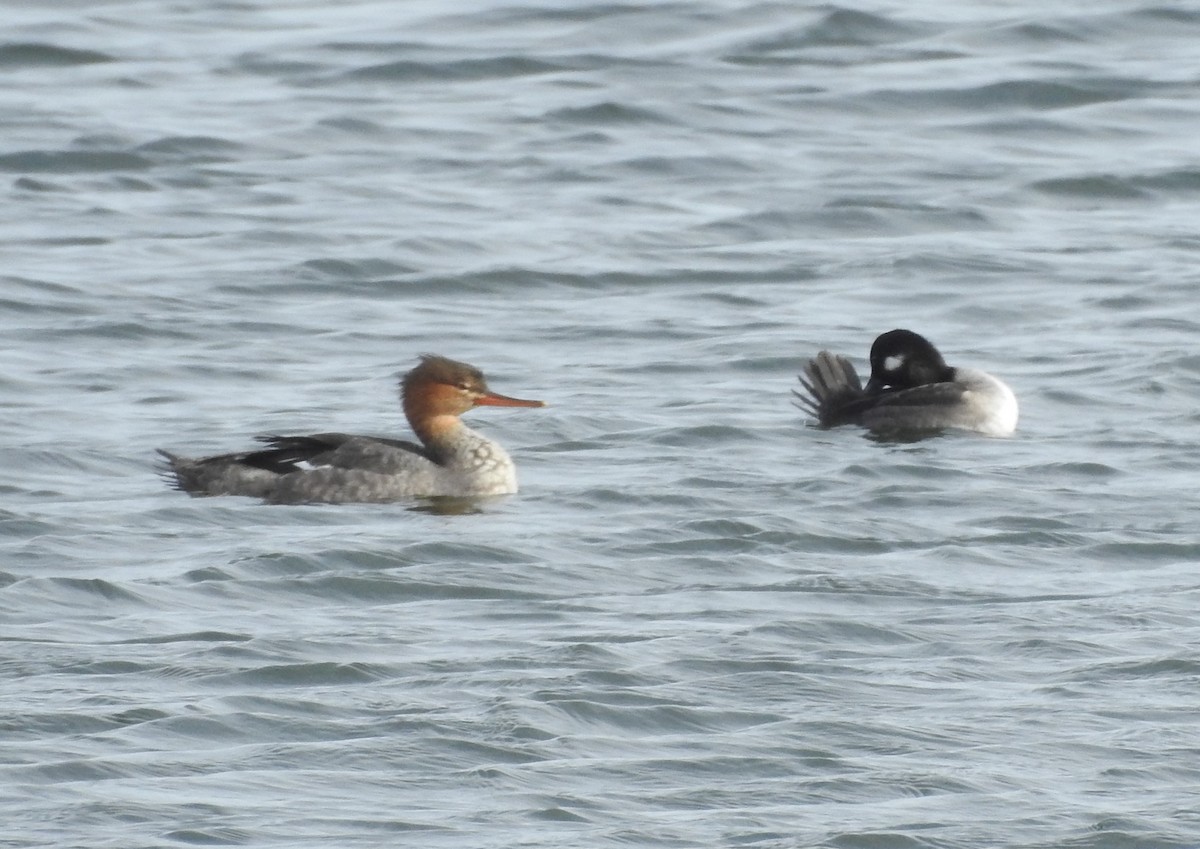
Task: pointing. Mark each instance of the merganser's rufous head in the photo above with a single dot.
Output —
(439, 386)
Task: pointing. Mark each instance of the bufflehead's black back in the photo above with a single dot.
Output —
(911, 390)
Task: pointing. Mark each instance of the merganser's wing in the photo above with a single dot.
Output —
(288, 454)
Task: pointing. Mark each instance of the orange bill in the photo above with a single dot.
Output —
(494, 399)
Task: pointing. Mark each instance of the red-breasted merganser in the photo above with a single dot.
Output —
(452, 460)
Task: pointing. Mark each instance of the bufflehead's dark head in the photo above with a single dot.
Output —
(901, 359)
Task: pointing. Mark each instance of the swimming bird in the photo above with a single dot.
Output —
(452, 459)
(911, 390)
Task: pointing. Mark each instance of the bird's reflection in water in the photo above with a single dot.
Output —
(452, 505)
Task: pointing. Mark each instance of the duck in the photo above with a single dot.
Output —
(911, 391)
(450, 459)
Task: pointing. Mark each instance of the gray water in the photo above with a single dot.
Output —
(701, 622)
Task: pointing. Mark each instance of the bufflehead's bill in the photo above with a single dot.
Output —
(911, 390)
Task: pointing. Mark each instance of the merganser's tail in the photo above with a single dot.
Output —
(221, 475)
(832, 388)
(168, 468)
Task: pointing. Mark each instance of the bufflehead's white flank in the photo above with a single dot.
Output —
(911, 390)
(337, 467)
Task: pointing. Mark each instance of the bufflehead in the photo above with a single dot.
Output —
(911, 390)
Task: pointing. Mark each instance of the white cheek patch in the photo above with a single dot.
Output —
(893, 363)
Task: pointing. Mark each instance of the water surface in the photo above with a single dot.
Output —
(702, 622)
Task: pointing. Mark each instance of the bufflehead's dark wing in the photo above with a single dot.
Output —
(930, 407)
(832, 389)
